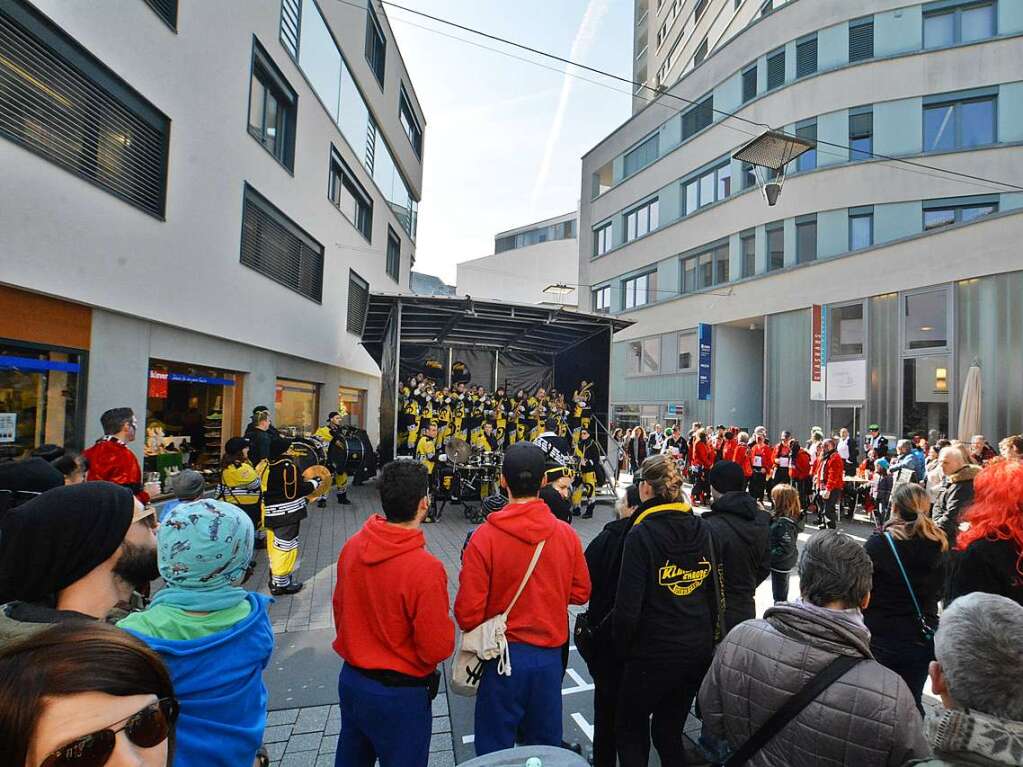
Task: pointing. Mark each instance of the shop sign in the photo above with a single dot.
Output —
(818, 354)
(157, 385)
(705, 359)
(8, 427)
(183, 378)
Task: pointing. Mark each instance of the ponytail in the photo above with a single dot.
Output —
(664, 478)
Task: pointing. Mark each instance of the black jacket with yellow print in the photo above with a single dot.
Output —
(666, 606)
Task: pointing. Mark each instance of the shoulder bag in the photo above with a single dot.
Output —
(926, 630)
(487, 642)
(790, 709)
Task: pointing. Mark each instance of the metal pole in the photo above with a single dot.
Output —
(451, 357)
(497, 362)
(397, 377)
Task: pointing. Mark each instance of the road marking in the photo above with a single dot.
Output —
(585, 726)
(580, 683)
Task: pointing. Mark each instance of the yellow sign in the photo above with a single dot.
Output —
(682, 582)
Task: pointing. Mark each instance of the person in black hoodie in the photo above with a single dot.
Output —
(742, 540)
(604, 560)
(665, 617)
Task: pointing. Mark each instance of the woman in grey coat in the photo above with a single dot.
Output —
(866, 718)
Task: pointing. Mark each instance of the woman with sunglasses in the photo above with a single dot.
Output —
(85, 694)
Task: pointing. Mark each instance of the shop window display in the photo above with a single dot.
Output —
(353, 402)
(297, 407)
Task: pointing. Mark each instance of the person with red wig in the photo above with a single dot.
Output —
(989, 555)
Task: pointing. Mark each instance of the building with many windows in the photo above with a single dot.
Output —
(196, 200)
(533, 264)
(870, 289)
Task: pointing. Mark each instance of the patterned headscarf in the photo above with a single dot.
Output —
(203, 548)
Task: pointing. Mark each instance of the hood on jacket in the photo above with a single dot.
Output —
(381, 541)
(531, 522)
(838, 632)
(738, 503)
(966, 473)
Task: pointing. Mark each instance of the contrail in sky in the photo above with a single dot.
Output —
(584, 38)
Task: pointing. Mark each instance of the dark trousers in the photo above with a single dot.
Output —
(908, 659)
(780, 585)
(757, 483)
(805, 487)
(831, 506)
(653, 703)
(607, 684)
(527, 703)
(389, 724)
(781, 477)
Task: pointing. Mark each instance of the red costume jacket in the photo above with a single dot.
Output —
(112, 461)
(800, 468)
(741, 456)
(766, 455)
(831, 472)
(703, 454)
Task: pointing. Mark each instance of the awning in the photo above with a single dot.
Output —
(491, 325)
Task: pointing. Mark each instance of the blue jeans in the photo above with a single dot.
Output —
(528, 702)
(392, 724)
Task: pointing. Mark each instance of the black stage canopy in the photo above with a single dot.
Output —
(485, 342)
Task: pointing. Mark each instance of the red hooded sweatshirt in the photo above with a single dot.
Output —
(495, 561)
(391, 601)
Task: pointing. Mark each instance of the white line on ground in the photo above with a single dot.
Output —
(585, 726)
(580, 683)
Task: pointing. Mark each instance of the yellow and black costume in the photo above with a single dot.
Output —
(328, 433)
(585, 486)
(240, 485)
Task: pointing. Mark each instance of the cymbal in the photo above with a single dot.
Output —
(321, 473)
(458, 450)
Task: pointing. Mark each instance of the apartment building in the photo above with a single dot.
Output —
(870, 289)
(196, 200)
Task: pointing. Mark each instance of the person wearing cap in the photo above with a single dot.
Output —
(73, 553)
(111, 459)
(528, 701)
(214, 636)
(284, 507)
(741, 533)
(393, 627)
(328, 433)
(240, 485)
(876, 442)
(187, 485)
(23, 480)
(556, 490)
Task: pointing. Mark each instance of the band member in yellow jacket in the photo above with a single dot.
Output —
(587, 480)
(426, 454)
(328, 433)
(240, 484)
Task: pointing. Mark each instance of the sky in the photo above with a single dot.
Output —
(504, 137)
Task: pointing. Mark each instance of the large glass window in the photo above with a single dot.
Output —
(644, 154)
(705, 269)
(646, 356)
(925, 387)
(775, 247)
(690, 274)
(845, 331)
(748, 246)
(688, 352)
(40, 398)
(806, 239)
(410, 123)
(808, 159)
(602, 239)
(297, 407)
(639, 291)
(642, 220)
(861, 229)
(937, 215)
(959, 124)
(710, 186)
(349, 196)
(861, 133)
(272, 108)
(925, 320)
(959, 24)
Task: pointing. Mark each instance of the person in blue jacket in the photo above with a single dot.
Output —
(213, 635)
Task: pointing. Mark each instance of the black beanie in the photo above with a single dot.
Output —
(727, 477)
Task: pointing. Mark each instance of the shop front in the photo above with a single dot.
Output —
(353, 402)
(296, 407)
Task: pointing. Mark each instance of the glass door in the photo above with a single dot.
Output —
(845, 417)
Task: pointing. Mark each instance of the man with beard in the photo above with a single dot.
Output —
(74, 553)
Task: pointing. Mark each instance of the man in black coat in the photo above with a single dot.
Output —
(741, 533)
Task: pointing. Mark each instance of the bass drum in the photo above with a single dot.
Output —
(308, 451)
(347, 455)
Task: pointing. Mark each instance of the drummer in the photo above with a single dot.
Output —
(328, 433)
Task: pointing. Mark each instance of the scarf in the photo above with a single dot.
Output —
(852, 615)
(997, 741)
(203, 548)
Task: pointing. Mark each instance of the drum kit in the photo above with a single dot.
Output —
(467, 476)
(318, 458)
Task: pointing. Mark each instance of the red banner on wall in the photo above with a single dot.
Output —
(817, 354)
(158, 384)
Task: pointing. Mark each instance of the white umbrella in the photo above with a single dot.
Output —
(969, 406)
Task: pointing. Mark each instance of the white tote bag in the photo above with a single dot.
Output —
(486, 642)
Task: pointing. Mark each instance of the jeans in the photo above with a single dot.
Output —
(780, 585)
(910, 659)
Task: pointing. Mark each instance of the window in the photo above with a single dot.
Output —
(705, 270)
(278, 248)
(60, 103)
(602, 180)
(698, 118)
(861, 228)
(563, 231)
(166, 10)
(775, 246)
(749, 84)
(959, 24)
(806, 57)
(861, 133)
(410, 123)
(925, 394)
(721, 264)
(642, 220)
(938, 214)
(688, 352)
(602, 239)
(358, 303)
(376, 44)
(806, 239)
(845, 330)
(349, 196)
(861, 40)
(272, 109)
(393, 254)
(808, 159)
(602, 299)
(711, 186)
(638, 291)
(701, 53)
(642, 155)
(776, 70)
(749, 176)
(646, 356)
(925, 320)
(748, 248)
(959, 124)
(701, 6)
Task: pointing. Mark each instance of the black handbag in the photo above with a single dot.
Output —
(585, 636)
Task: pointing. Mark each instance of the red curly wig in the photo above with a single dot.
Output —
(997, 510)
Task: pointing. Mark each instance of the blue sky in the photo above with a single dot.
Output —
(504, 138)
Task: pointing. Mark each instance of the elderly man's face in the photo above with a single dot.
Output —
(950, 462)
(977, 443)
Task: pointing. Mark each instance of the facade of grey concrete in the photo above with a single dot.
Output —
(860, 229)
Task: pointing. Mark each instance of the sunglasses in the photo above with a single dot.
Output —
(146, 729)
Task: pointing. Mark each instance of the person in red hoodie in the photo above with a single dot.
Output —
(799, 472)
(830, 480)
(728, 450)
(393, 628)
(110, 459)
(741, 455)
(761, 457)
(528, 700)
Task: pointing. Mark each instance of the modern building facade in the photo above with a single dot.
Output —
(429, 285)
(533, 264)
(916, 273)
(196, 200)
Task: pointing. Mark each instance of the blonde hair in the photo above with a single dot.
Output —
(662, 474)
(910, 505)
(785, 499)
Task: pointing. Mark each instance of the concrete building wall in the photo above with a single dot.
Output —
(520, 275)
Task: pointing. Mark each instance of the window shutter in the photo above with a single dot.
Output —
(776, 70)
(291, 12)
(749, 84)
(701, 6)
(861, 41)
(358, 303)
(166, 10)
(806, 57)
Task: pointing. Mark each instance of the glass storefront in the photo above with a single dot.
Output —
(925, 396)
(297, 407)
(354, 402)
(41, 398)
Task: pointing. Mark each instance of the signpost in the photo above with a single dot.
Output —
(705, 360)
